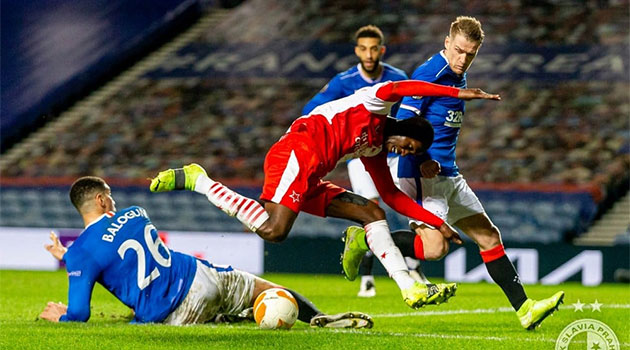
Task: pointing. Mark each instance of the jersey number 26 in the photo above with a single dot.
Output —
(153, 246)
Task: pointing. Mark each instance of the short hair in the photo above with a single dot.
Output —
(370, 31)
(416, 127)
(84, 188)
(469, 27)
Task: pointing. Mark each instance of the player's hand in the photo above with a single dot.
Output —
(470, 94)
(56, 248)
(53, 311)
(450, 234)
(430, 168)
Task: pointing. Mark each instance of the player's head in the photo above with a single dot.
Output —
(91, 193)
(462, 43)
(370, 47)
(408, 136)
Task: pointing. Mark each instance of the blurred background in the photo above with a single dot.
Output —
(124, 88)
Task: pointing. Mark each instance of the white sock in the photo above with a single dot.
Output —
(381, 244)
(246, 210)
(367, 278)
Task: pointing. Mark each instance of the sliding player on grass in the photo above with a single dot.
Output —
(123, 252)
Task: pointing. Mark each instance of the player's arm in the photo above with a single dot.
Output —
(332, 91)
(81, 276)
(397, 200)
(396, 90)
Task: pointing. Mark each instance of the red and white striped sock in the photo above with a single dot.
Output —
(246, 210)
(382, 245)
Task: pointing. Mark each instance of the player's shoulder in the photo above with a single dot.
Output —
(393, 73)
(133, 211)
(348, 73)
(432, 68)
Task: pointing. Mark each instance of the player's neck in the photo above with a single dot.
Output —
(374, 74)
(90, 217)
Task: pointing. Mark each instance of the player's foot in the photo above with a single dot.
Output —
(343, 320)
(367, 289)
(354, 250)
(245, 315)
(177, 179)
(533, 312)
(445, 292)
(419, 295)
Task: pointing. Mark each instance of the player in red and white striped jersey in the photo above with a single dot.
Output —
(351, 127)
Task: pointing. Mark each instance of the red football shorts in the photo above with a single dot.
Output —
(292, 177)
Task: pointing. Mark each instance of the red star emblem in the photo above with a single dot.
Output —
(383, 255)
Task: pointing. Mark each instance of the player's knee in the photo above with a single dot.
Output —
(273, 233)
(436, 248)
(373, 213)
(489, 238)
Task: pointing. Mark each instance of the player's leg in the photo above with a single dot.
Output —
(367, 288)
(376, 237)
(410, 245)
(469, 216)
(429, 244)
(362, 185)
(286, 182)
(193, 177)
(309, 313)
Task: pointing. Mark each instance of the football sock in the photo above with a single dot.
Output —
(306, 309)
(503, 273)
(381, 244)
(410, 245)
(248, 211)
(365, 269)
(405, 241)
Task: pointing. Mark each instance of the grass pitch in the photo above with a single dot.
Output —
(479, 317)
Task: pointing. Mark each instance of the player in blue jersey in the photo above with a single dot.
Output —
(123, 252)
(434, 179)
(369, 49)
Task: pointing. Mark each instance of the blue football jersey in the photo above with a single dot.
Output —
(123, 252)
(444, 113)
(346, 83)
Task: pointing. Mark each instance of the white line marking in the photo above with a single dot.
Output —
(482, 311)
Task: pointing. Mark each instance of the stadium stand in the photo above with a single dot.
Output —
(223, 98)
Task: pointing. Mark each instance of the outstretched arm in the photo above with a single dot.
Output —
(397, 90)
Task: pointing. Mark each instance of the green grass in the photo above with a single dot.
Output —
(456, 325)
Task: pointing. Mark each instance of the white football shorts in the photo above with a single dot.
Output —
(214, 291)
(361, 180)
(449, 198)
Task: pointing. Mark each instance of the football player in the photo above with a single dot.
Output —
(369, 49)
(351, 127)
(434, 178)
(121, 250)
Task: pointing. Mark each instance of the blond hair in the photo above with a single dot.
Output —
(469, 27)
